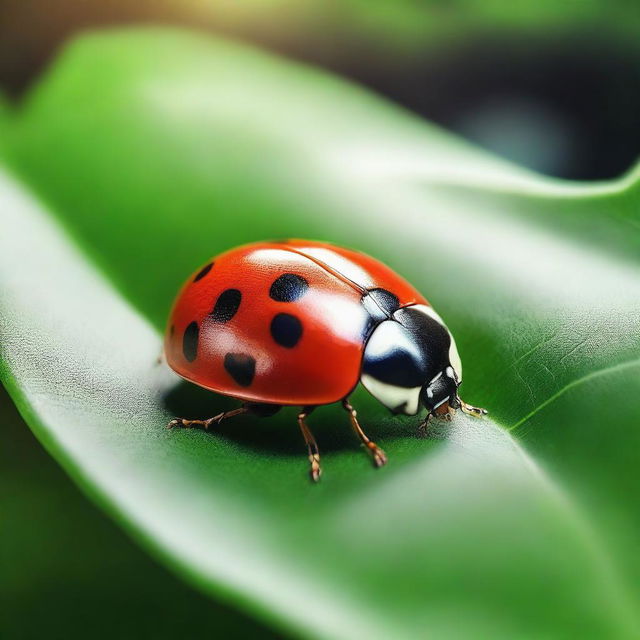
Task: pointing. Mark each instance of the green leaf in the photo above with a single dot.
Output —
(157, 149)
(59, 590)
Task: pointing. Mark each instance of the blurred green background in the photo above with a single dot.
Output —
(552, 86)
(69, 572)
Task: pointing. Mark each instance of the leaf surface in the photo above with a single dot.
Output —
(157, 149)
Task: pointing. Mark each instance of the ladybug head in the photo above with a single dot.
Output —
(441, 389)
(411, 360)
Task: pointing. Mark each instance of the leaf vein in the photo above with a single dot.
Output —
(574, 383)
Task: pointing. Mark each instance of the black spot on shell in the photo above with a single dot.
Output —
(203, 272)
(241, 367)
(286, 330)
(190, 341)
(226, 305)
(172, 330)
(289, 287)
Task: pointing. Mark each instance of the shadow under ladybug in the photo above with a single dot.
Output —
(273, 437)
(302, 323)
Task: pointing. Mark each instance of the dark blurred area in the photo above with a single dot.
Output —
(52, 592)
(552, 86)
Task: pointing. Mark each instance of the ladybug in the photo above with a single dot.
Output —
(298, 322)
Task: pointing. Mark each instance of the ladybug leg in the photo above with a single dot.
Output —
(423, 426)
(378, 456)
(312, 446)
(205, 424)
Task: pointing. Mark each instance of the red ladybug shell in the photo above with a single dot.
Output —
(280, 322)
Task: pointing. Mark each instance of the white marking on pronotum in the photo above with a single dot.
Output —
(391, 396)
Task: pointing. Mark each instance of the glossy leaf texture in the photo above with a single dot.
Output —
(152, 150)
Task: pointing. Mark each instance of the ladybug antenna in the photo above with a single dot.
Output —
(470, 410)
